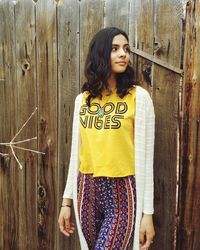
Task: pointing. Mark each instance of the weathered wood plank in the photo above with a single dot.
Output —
(68, 88)
(165, 97)
(2, 69)
(8, 168)
(2, 72)
(91, 16)
(116, 14)
(167, 32)
(141, 36)
(188, 233)
(141, 24)
(47, 123)
(26, 104)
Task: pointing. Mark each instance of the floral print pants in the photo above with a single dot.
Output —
(107, 211)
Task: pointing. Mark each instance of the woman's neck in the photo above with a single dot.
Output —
(112, 83)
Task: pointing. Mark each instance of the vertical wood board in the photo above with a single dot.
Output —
(46, 34)
(141, 36)
(91, 21)
(26, 104)
(167, 32)
(8, 174)
(188, 233)
(116, 14)
(68, 88)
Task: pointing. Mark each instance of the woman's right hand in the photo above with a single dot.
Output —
(66, 227)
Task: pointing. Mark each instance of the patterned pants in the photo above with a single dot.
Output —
(107, 209)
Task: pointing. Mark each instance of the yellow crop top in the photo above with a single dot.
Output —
(107, 142)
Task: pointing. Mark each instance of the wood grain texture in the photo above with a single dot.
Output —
(188, 234)
(47, 124)
(165, 98)
(68, 88)
(167, 31)
(116, 14)
(9, 188)
(91, 21)
(141, 19)
(2, 70)
(26, 104)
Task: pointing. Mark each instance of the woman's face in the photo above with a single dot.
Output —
(119, 54)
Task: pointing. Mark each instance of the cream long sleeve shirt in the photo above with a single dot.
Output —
(144, 154)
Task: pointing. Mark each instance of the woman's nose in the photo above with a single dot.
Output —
(122, 52)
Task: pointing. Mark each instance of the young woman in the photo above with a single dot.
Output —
(110, 178)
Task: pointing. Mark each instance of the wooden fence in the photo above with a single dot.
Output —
(43, 46)
(189, 198)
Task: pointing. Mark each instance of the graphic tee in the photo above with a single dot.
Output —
(107, 142)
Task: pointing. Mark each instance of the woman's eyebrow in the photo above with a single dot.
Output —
(117, 45)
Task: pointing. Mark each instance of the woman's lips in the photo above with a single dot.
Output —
(121, 63)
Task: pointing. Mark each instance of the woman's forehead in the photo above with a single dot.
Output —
(119, 39)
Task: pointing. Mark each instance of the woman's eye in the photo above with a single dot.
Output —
(114, 49)
(127, 49)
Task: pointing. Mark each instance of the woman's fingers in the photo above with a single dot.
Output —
(67, 223)
(66, 227)
(147, 231)
(148, 240)
(142, 238)
(67, 231)
(72, 227)
(63, 228)
(69, 227)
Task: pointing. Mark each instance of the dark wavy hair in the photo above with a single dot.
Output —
(98, 66)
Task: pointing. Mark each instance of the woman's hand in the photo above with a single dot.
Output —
(147, 231)
(66, 227)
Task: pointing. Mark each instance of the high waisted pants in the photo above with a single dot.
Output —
(107, 210)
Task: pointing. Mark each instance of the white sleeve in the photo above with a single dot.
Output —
(148, 207)
(68, 192)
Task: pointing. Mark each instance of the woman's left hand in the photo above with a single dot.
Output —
(147, 231)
